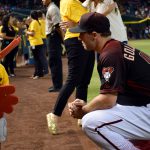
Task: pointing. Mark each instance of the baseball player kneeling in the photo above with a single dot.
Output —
(121, 112)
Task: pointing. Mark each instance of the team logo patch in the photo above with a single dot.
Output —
(107, 73)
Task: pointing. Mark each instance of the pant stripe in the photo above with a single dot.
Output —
(105, 124)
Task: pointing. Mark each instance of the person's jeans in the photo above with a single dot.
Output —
(80, 68)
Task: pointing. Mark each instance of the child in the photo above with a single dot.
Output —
(3, 81)
(6, 97)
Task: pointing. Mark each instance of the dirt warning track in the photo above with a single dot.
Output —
(27, 126)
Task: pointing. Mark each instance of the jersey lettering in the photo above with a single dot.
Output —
(129, 52)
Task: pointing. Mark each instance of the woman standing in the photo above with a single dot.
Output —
(8, 33)
(36, 43)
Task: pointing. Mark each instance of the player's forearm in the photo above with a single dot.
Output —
(102, 101)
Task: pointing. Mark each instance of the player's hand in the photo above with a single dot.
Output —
(79, 102)
(75, 108)
(71, 108)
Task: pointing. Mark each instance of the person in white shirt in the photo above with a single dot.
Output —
(110, 9)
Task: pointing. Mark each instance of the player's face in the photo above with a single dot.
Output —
(88, 41)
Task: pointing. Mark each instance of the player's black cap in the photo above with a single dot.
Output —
(92, 22)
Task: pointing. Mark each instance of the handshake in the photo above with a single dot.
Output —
(76, 108)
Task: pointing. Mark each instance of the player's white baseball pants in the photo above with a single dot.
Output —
(113, 128)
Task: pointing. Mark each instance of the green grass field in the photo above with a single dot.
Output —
(143, 45)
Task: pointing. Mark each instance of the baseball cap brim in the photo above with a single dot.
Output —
(77, 29)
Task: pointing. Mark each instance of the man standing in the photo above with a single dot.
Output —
(121, 112)
(54, 40)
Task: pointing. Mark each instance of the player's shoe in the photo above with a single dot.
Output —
(52, 124)
(79, 123)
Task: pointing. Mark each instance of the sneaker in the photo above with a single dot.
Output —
(52, 124)
(53, 89)
(12, 75)
(35, 77)
(79, 123)
(31, 77)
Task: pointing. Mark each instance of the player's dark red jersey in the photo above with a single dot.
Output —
(126, 71)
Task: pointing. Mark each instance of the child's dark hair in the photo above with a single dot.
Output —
(40, 13)
(6, 18)
(34, 15)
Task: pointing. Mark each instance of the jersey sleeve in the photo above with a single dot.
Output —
(112, 72)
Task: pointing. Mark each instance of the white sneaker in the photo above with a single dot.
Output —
(52, 124)
(35, 77)
(79, 122)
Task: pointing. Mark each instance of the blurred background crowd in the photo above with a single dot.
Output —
(134, 10)
(135, 14)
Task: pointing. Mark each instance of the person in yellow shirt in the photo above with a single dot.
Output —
(4, 80)
(3, 76)
(43, 33)
(80, 63)
(6, 100)
(36, 43)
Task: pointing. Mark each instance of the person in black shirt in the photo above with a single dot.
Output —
(8, 34)
(121, 112)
